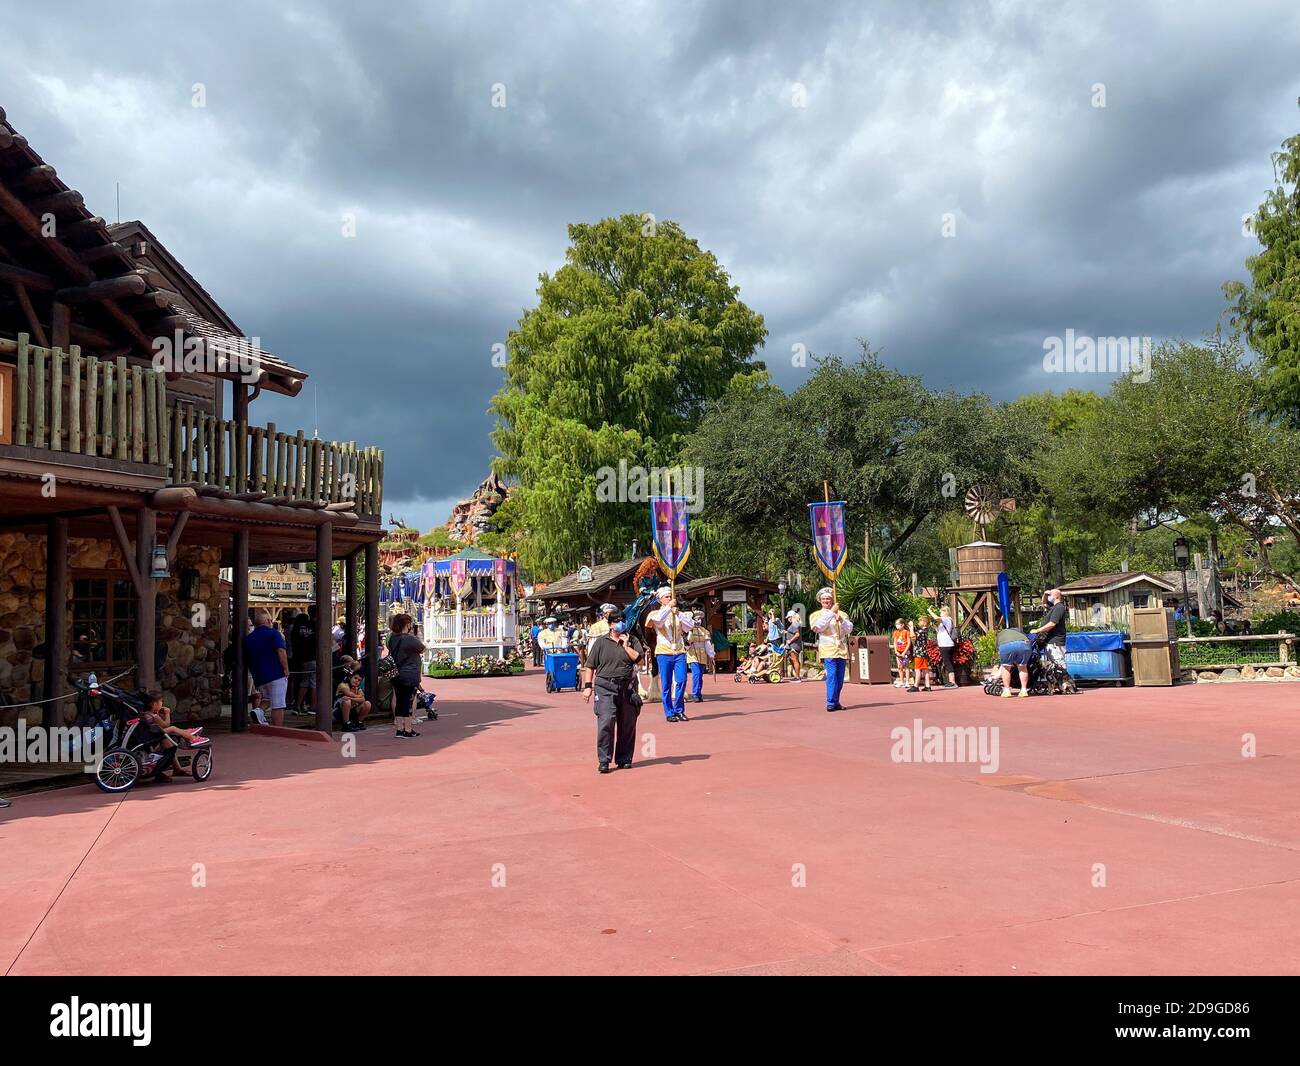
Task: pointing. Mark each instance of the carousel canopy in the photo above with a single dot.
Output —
(477, 563)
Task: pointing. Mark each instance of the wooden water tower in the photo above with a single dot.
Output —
(973, 601)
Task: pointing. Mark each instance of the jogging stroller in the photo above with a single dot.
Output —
(131, 754)
(1046, 676)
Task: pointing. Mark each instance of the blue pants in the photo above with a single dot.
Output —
(672, 682)
(697, 679)
(834, 679)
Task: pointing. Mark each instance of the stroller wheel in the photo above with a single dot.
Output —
(118, 771)
(993, 688)
(201, 765)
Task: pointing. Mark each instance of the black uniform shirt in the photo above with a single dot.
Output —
(1056, 613)
(608, 659)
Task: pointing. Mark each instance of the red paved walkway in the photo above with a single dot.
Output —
(684, 864)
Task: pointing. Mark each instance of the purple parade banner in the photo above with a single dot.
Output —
(829, 545)
(670, 532)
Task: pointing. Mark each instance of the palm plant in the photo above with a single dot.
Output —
(869, 593)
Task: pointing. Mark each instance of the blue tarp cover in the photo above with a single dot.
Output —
(1094, 641)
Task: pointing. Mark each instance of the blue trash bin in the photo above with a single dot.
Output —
(561, 670)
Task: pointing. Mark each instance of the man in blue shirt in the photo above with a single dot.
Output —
(537, 647)
(268, 662)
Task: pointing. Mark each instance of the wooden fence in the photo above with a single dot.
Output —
(107, 408)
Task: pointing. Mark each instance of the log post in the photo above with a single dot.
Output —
(146, 530)
(324, 623)
(372, 623)
(56, 625)
(350, 604)
(238, 627)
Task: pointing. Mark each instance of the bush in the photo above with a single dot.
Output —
(986, 650)
(910, 607)
(1276, 622)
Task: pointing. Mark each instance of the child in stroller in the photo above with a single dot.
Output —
(763, 664)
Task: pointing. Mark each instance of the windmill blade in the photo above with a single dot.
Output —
(981, 505)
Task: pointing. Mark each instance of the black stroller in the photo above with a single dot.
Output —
(1047, 677)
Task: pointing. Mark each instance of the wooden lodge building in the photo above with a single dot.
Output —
(127, 482)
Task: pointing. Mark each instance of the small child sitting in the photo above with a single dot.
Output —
(161, 717)
(351, 705)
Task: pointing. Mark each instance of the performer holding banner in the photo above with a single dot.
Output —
(831, 625)
(672, 546)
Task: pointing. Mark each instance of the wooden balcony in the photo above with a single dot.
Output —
(109, 409)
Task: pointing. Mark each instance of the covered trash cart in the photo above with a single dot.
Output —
(561, 670)
(1096, 655)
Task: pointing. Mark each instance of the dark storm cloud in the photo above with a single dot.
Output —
(1121, 220)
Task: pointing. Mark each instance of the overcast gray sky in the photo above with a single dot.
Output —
(816, 148)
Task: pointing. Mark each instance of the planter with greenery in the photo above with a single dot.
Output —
(444, 667)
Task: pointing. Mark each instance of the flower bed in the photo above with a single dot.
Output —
(443, 666)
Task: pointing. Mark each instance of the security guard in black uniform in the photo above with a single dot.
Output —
(610, 672)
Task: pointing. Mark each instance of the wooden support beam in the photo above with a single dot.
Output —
(32, 279)
(238, 627)
(56, 615)
(146, 606)
(107, 289)
(30, 224)
(350, 603)
(25, 302)
(324, 624)
(84, 227)
(125, 547)
(93, 338)
(129, 324)
(55, 201)
(60, 324)
(99, 252)
(174, 537)
(37, 178)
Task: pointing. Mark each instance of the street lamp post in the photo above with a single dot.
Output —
(1180, 558)
(781, 587)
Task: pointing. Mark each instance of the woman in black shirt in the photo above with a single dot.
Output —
(405, 648)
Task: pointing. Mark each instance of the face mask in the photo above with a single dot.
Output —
(620, 627)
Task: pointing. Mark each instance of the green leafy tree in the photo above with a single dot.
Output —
(897, 453)
(1185, 446)
(1268, 308)
(631, 340)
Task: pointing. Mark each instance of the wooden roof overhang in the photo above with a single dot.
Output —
(604, 586)
(55, 253)
(277, 533)
(700, 587)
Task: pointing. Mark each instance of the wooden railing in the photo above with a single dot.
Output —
(1219, 652)
(107, 408)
